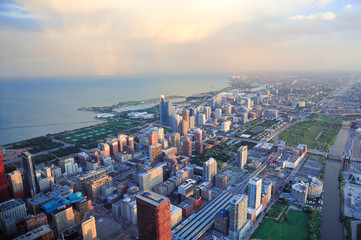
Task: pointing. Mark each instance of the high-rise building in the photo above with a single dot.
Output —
(187, 148)
(254, 192)
(122, 141)
(31, 183)
(155, 152)
(153, 138)
(197, 134)
(221, 221)
(175, 140)
(248, 102)
(199, 147)
(229, 109)
(94, 186)
(150, 178)
(154, 216)
(209, 170)
(130, 141)
(160, 132)
(15, 208)
(192, 122)
(185, 115)
(88, 228)
(237, 213)
(168, 112)
(218, 113)
(177, 127)
(207, 111)
(244, 118)
(4, 192)
(201, 119)
(162, 115)
(192, 111)
(226, 126)
(185, 126)
(242, 156)
(16, 184)
(114, 146)
(63, 217)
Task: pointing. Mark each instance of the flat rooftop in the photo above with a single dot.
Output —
(153, 198)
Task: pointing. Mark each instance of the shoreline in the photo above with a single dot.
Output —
(100, 119)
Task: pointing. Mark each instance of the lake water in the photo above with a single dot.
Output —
(28, 105)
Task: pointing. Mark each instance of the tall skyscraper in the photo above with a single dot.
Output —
(209, 170)
(242, 156)
(192, 111)
(218, 113)
(254, 192)
(185, 115)
(176, 126)
(199, 147)
(237, 213)
(162, 115)
(153, 138)
(4, 192)
(168, 112)
(154, 216)
(155, 152)
(88, 229)
(197, 134)
(185, 126)
(16, 184)
(175, 140)
(31, 183)
(207, 112)
(187, 148)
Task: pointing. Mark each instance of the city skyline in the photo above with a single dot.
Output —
(109, 38)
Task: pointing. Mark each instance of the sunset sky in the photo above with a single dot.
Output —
(118, 37)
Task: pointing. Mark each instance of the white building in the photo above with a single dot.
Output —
(254, 192)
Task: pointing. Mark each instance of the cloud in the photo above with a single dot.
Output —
(348, 6)
(321, 16)
(112, 37)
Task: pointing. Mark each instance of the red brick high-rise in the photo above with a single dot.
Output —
(154, 216)
(4, 192)
(187, 148)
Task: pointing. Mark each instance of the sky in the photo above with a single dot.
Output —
(40, 38)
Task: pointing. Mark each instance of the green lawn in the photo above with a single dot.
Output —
(294, 229)
(317, 134)
(276, 210)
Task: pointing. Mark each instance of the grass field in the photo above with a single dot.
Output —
(317, 134)
(294, 229)
(276, 210)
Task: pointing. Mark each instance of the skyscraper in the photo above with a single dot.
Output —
(88, 229)
(254, 192)
(168, 112)
(31, 182)
(153, 138)
(187, 148)
(199, 147)
(154, 216)
(197, 134)
(242, 156)
(238, 213)
(4, 192)
(16, 184)
(209, 170)
(175, 140)
(162, 115)
(155, 152)
(185, 126)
